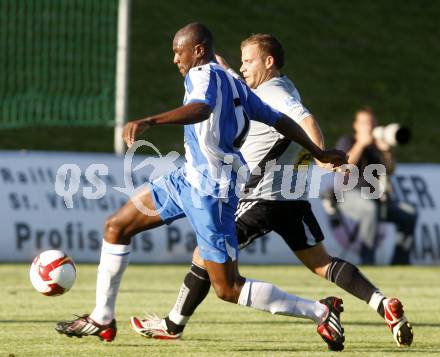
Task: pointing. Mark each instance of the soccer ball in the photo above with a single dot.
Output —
(52, 273)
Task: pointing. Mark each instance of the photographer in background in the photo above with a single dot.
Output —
(368, 146)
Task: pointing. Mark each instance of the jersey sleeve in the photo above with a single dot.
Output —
(201, 86)
(260, 111)
(294, 109)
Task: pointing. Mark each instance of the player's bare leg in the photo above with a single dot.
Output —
(348, 277)
(118, 231)
(230, 286)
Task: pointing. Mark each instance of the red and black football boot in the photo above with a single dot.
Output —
(85, 326)
(330, 328)
(400, 327)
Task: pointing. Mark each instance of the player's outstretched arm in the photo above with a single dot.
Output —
(291, 130)
(311, 127)
(187, 114)
(313, 130)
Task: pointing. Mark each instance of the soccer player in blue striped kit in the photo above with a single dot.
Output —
(215, 112)
(269, 206)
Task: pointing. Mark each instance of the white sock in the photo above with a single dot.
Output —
(114, 261)
(375, 300)
(175, 314)
(267, 297)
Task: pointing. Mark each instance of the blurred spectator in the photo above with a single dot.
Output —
(364, 150)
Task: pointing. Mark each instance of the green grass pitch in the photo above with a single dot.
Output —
(27, 318)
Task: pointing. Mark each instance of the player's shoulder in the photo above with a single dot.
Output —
(281, 93)
(205, 69)
(200, 75)
(279, 87)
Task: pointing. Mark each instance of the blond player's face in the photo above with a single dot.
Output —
(253, 66)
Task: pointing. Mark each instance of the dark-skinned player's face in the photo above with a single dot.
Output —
(184, 54)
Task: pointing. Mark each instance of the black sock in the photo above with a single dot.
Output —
(348, 277)
(381, 309)
(193, 291)
(173, 328)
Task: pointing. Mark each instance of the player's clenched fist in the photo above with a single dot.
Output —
(335, 157)
(132, 129)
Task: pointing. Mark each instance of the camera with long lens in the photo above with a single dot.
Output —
(393, 134)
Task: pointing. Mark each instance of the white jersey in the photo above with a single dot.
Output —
(265, 147)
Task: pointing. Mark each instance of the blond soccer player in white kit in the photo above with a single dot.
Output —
(269, 203)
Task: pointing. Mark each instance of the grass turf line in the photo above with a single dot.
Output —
(218, 328)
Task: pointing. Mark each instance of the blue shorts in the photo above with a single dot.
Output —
(212, 218)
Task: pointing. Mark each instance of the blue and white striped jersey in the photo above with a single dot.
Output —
(212, 146)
